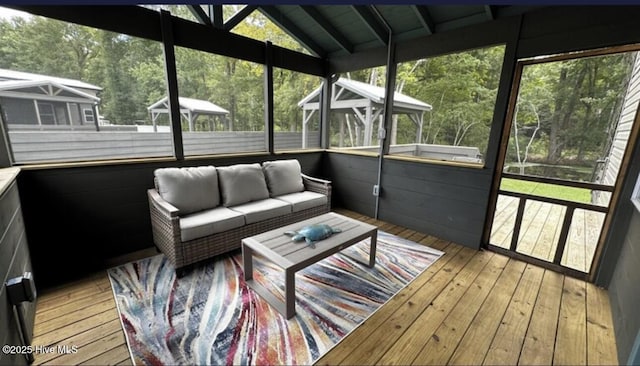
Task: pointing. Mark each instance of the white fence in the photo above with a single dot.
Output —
(43, 146)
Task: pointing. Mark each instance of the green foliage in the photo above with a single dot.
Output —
(576, 103)
(546, 190)
(461, 88)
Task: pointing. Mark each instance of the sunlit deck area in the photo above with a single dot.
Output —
(541, 229)
(471, 307)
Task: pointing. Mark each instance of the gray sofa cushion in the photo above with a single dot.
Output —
(189, 189)
(303, 200)
(201, 224)
(262, 210)
(283, 176)
(242, 183)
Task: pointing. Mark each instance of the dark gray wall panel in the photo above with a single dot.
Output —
(353, 178)
(14, 261)
(100, 212)
(445, 201)
(623, 291)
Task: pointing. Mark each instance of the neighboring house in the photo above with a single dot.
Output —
(613, 160)
(31, 101)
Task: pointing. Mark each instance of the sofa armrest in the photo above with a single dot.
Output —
(317, 185)
(160, 203)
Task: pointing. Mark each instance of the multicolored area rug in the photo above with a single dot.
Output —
(210, 316)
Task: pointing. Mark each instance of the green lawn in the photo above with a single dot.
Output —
(546, 190)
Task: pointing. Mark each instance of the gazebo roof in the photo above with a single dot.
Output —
(35, 88)
(7, 75)
(353, 89)
(193, 105)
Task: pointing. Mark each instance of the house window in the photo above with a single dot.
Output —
(46, 113)
(88, 115)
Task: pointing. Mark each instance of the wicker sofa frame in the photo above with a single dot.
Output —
(165, 225)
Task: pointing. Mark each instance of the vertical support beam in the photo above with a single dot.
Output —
(172, 83)
(215, 14)
(390, 87)
(304, 128)
(518, 224)
(368, 125)
(564, 234)
(268, 97)
(420, 125)
(6, 153)
(325, 111)
(502, 117)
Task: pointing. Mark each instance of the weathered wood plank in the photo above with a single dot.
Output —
(475, 344)
(82, 303)
(409, 345)
(108, 342)
(509, 338)
(571, 338)
(540, 338)
(70, 329)
(76, 316)
(81, 339)
(443, 342)
(601, 346)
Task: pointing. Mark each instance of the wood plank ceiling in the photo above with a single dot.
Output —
(328, 31)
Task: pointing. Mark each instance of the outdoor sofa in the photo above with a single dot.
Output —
(200, 212)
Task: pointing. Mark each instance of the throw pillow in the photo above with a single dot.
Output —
(189, 189)
(242, 183)
(283, 176)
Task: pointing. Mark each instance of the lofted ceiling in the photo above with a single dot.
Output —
(340, 30)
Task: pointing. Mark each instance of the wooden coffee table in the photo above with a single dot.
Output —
(294, 256)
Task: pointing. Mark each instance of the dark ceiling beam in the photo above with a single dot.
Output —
(215, 14)
(328, 28)
(490, 11)
(238, 17)
(200, 14)
(370, 19)
(276, 16)
(425, 18)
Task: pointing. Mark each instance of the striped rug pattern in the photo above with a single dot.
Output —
(211, 317)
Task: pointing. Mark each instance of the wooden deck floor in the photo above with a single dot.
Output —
(469, 307)
(541, 226)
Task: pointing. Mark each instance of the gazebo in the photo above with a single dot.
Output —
(366, 103)
(190, 109)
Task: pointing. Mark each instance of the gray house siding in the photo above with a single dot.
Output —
(445, 201)
(621, 135)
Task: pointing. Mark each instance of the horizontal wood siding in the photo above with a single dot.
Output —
(353, 178)
(14, 261)
(39, 146)
(445, 201)
(100, 212)
(622, 133)
(623, 291)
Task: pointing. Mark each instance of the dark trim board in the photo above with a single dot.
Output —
(623, 291)
(101, 212)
